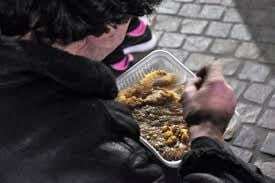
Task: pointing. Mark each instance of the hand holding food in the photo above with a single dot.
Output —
(208, 101)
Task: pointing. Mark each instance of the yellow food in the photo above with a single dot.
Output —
(158, 79)
(155, 104)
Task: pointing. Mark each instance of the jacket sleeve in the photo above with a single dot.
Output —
(210, 161)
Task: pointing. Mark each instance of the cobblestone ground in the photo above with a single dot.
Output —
(241, 35)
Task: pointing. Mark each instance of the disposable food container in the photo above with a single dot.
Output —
(163, 60)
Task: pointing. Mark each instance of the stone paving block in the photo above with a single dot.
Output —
(233, 15)
(190, 10)
(167, 23)
(181, 55)
(267, 35)
(257, 17)
(272, 81)
(247, 138)
(254, 72)
(272, 101)
(197, 61)
(190, 26)
(238, 86)
(248, 50)
(271, 17)
(185, 1)
(230, 3)
(257, 93)
(218, 29)
(224, 46)
(262, 3)
(243, 154)
(196, 43)
(212, 12)
(267, 120)
(158, 34)
(210, 1)
(230, 65)
(248, 112)
(169, 7)
(241, 32)
(269, 54)
(269, 144)
(172, 40)
(268, 168)
(242, 4)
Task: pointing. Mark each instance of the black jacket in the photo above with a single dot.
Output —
(60, 124)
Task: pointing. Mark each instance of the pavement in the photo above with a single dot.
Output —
(241, 35)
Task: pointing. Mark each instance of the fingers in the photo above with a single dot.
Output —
(190, 91)
(211, 73)
(191, 86)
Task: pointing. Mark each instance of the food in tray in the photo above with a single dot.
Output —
(155, 104)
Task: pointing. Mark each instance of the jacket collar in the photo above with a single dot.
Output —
(74, 72)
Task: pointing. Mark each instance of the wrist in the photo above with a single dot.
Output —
(205, 129)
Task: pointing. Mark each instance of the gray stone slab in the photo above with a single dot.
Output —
(229, 3)
(271, 17)
(241, 32)
(257, 17)
(262, 3)
(181, 55)
(268, 168)
(158, 34)
(267, 35)
(196, 43)
(190, 10)
(247, 138)
(269, 54)
(185, 1)
(243, 154)
(267, 120)
(224, 46)
(190, 26)
(169, 7)
(213, 12)
(238, 86)
(248, 112)
(248, 50)
(257, 93)
(233, 15)
(254, 72)
(269, 144)
(218, 29)
(167, 23)
(272, 81)
(272, 101)
(197, 61)
(171, 40)
(230, 65)
(210, 1)
(242, 4)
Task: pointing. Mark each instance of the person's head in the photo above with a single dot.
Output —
(67, 21)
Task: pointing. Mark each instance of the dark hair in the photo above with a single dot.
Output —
(67, 20)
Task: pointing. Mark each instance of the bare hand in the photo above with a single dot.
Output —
(208, 101)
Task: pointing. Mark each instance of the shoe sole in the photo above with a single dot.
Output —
(141, 47)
